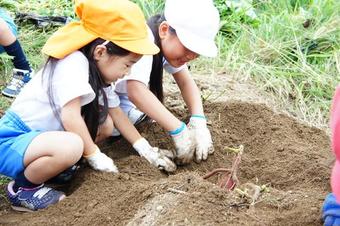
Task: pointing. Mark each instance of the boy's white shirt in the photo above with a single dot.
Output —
(141, 72)
(70, 80)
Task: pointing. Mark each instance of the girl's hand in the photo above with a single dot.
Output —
(100, 161)
(162, 159)
(202, 137)
(185, 146)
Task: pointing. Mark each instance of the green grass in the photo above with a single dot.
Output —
(299, 65)
(4, 180)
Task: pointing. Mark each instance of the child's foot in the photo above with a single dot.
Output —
(34, 198)
(20, 78)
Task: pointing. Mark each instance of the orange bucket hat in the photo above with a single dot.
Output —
(119, 21)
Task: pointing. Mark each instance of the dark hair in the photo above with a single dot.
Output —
(156, 77)
(93, 113)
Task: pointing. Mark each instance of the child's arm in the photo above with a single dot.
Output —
(198, 122)
(73, 122)
(125, 127)
(190, 92)
(147, 102)
(155, 156)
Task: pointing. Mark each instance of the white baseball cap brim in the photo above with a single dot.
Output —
(198, 44)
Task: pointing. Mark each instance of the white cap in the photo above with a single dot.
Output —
(196, 23)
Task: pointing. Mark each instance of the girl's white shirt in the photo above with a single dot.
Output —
(141, 72)
(70, 81)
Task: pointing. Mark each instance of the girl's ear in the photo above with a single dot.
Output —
(163, 29)
(99, 51)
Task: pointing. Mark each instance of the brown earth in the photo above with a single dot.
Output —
(288, 160)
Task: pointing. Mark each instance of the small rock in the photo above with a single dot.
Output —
(159, 208)
(314, 209)
(280, 149)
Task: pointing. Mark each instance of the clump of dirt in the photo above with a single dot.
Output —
(287, 160)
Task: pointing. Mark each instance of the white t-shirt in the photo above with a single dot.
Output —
(141, 71)
(70, 80)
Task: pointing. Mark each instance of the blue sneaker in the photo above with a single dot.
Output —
(64, 177)
(20, 78)
(33, 199)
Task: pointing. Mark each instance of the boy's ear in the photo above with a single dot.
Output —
(163, 29)
(99, 51)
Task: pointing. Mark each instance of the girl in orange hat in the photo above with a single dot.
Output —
(182, 36)
(73, 104)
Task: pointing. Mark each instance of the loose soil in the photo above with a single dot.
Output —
(288, 160)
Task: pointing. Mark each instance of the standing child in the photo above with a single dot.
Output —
(70, 100)
(331, 207)
(186, 30)
(9, 44)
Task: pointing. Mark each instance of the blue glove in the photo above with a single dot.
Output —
(331, 211)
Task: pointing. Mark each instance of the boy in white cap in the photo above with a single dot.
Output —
(182, 35)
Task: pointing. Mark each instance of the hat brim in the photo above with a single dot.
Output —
(140, 46)
(197, 44)
(74, 36)
(68, 39)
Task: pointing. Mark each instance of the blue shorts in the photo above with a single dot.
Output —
(15, 136)
(10, 23)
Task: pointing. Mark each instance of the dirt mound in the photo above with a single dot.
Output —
(287, 160)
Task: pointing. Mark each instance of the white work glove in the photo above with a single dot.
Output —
(160, 158)
(202, 138)
(184, 144)
(99, 161)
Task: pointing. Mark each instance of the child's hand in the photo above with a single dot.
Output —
(331, 211)
(160, 158)
(100, 161)
(202, 137)
(185, 146)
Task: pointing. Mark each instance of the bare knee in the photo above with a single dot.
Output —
(3, 26)
(6, 35)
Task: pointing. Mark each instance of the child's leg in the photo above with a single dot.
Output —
(45, 157)
(105, 130)
(12, 47)
(7, 37)
(8, 43)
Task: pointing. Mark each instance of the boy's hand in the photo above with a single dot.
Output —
(162, 159)
(100, 161)
(331, 211)
(184, 146)
(201, 136)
